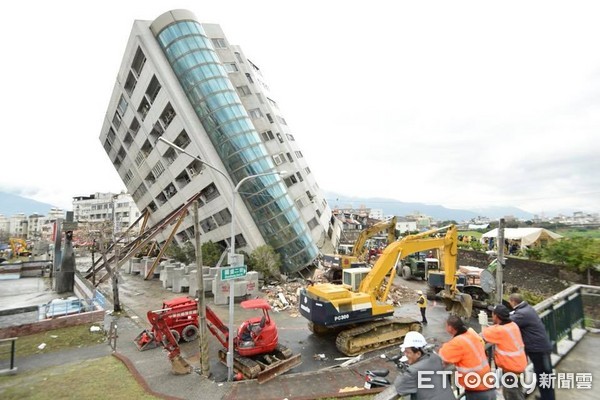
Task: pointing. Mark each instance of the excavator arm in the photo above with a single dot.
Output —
(390, 226)
(458, 303)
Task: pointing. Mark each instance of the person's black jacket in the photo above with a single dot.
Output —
(532, 329)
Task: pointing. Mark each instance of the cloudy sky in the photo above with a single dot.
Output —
(466, 104)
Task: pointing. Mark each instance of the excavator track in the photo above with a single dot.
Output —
(265, 366)
(375, 335)
(247, 366)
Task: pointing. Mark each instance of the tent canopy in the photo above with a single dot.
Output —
(527, 236)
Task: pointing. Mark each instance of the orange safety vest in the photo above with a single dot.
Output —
(510, 350)
(467, 353)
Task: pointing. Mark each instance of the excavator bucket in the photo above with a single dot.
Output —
(145, 340)
(180, 367)
(459, 304)
(278, 368)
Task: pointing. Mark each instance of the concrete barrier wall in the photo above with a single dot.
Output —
(50, 324)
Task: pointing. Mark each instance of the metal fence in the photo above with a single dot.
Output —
(565, 312)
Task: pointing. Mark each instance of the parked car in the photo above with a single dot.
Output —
(66, 306)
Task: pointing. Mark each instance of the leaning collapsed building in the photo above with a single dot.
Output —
(182, 80)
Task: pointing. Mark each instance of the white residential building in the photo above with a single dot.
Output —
(182, 80)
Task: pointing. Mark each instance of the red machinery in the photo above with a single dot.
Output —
(257, 352)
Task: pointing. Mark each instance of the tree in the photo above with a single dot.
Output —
(265, 260)
(211, 252)
(578, 254)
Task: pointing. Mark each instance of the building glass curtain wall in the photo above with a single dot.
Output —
(215, 101)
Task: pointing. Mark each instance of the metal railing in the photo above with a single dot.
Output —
(564, 312)
(10, 344)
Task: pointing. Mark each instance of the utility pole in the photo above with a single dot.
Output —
(203, 339)
(501, 261)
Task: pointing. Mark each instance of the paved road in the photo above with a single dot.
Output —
(152, 367)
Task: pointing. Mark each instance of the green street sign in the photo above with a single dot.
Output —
(228, 273)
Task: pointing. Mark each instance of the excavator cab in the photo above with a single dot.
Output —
(256, 335)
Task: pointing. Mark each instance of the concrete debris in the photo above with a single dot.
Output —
(284, 296)
(320, 357)
(351, 361)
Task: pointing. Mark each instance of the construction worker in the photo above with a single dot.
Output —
(466, 351)
(421, 379)
(537, 344)
(509, 351)
(422, 302)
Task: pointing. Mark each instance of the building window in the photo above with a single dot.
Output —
(143, 108)
(313, 223)
(290, 180)
(307, 170)
(249, 77)
(299, 175)
(279, 137)
(183, 179)
(116, 120)
(298, 154)
(170, 156)
(153, 89)
(239, 57)
(270, 118)
(255, 113)
(122, 107)
(208, 224)
(158, 169)
(289, 157)
(219, 43)
(223, 217)
(290, 137)
(130, 83)
(272, 103)
(128, 177)
(267, 135)
(231, 67)
(138, 62)
(183, 140)
(278, 159)
(244, 90)
(210, 192)
(281, 120)
(167, 116)
(134, 127)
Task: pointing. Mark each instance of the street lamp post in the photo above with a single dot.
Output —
(233, 260)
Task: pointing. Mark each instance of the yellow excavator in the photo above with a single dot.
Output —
(357, 309)
(359, 253)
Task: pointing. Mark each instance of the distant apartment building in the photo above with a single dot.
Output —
(182, 80)
(34, 227)
(117, 209)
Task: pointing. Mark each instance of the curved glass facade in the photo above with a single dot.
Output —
(213, 97)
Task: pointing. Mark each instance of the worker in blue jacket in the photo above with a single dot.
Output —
(537, 344)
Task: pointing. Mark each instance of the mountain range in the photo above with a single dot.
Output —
(440, 213)
(11, 204)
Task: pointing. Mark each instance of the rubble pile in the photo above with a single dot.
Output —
(284, 297)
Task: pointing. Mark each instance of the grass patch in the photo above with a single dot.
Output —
(103, 378)
(58, 339)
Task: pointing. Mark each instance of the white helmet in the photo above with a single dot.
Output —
(413, 339)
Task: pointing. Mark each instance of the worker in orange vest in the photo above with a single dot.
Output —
(466, 351)
(509, 352)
